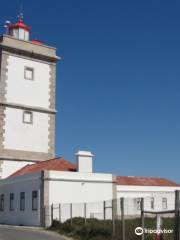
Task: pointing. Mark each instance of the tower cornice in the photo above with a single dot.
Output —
(28, 48)
(28, 107)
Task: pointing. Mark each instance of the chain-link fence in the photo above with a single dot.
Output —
(124, 218)
(159, 223)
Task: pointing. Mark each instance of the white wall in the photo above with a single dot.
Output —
(24, 136)
(27, 184)
(75, 187)
(63, 187)
(79, 188)
(132, 193)
(29, 92)
(19, 135)
(9, 167)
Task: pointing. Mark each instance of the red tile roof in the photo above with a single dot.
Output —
(60, 164)
(57, 164)
(145, 181)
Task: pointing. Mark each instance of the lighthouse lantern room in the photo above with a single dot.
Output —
(18, 30)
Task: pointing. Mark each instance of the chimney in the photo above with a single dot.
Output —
(84, 161)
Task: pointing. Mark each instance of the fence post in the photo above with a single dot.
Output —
(71, 212)
(122, 218)
(142, 217)
(113, 218)
(51, 213)
(85, 213)
(60, 213)
(159, 224)
(104, 211)
(177, 222)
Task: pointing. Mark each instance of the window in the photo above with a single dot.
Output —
(29, 73)
(34, 200)
(152, 203)
(22, 201)
(27, 117)
(2, 202)
(138, 203)
(26, 35)
(11, 201)
(164, 203)
(16, 33)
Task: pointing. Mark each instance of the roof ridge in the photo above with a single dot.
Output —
(48, 160)
(56, 164)
(19, 170)
(145, 181)
(143, 177)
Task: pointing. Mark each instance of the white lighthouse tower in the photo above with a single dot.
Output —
(27, 99)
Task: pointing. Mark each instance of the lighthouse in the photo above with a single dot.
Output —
(27, 99)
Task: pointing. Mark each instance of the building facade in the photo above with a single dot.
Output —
(158, 194)
(59, 189)
(26, 196)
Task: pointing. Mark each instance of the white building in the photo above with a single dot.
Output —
(158, 193)
(27, 130)
(27, 195)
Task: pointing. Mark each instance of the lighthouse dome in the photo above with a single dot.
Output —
(19, 30)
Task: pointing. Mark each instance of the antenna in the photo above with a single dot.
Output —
(20, 15)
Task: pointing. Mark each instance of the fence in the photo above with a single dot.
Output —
(122, 216)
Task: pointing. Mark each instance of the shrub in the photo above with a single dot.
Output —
(55, 224)
(95, 229)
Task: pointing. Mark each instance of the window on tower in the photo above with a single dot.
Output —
(27, 117)
(29, 73)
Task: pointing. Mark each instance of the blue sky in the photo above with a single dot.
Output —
(118, 84)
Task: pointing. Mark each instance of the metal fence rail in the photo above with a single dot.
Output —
(120, 213)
